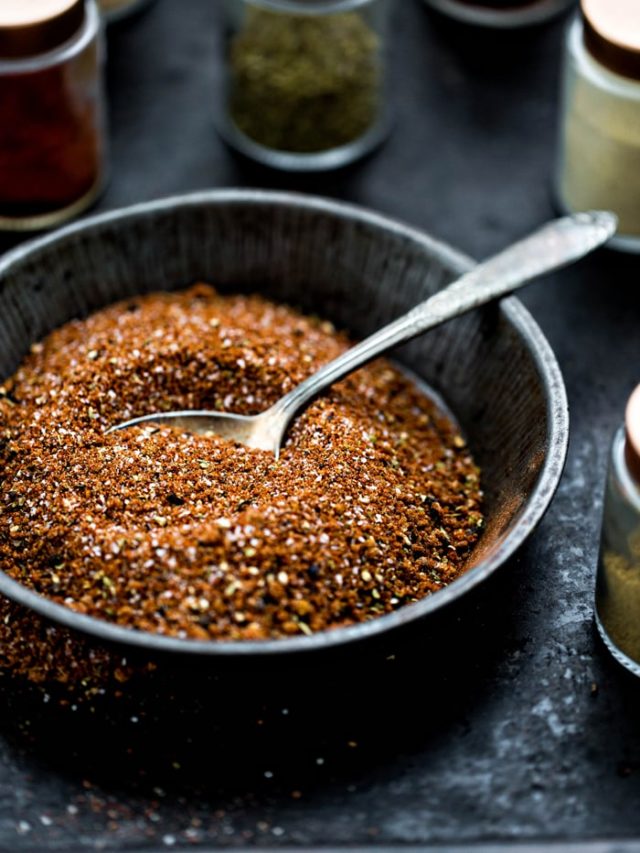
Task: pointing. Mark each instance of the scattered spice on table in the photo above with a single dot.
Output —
(304, 83)
(374, 503)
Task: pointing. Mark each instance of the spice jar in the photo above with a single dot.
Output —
(599, 148)
(618, 580)
(501, 13)
(115, 10)
(305, 81)
(51, 111)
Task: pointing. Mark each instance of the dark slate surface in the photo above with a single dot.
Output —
(512, 724)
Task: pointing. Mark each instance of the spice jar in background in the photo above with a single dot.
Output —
(599, 146)
(115, 10)
(305, 81)
(618, 581)
(501, 13)
(52, 146)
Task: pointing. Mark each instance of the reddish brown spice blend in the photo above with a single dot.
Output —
(374, 502)
(50, 153)
(51, 122)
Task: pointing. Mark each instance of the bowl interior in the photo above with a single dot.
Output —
(493, 367)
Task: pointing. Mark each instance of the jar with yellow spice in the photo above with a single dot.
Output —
(599, 147)
(618, 580)
(305, 81)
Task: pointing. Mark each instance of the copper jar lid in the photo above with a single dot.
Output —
(32, 27)
(612, 34)
(632, 427)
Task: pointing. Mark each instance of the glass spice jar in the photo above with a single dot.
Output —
(618, 578)
(116, 10)
(52, 147)
(305, 81)
(501, 13)
(599, 143)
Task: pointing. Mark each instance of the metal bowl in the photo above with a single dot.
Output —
(494, 368)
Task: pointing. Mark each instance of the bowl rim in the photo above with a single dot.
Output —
(531, 514)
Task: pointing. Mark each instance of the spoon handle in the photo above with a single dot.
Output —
(553, 246)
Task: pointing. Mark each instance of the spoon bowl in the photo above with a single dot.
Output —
(262, 432)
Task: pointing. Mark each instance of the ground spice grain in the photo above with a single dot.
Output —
(304, 83)
(375, 501)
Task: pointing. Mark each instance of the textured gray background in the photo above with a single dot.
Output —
(521, 727)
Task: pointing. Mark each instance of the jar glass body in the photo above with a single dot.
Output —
(502, 13)
(305, 82)
(618, 577)
(599, 141)
(52, 131)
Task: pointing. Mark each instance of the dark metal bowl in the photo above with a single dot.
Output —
(494, 368)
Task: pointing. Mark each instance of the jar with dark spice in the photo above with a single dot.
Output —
(618, 582)
(52, 148)
(116, 10)
(305, 82)
(501, 13)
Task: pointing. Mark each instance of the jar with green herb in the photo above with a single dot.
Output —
(305, 81)
(618, 581)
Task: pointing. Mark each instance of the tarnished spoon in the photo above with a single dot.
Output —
(556, 244)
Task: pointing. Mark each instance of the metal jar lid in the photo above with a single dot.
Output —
(32, 27)
(612, 34)
(632, 427)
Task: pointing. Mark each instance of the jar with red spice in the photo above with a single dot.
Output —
(52, 136)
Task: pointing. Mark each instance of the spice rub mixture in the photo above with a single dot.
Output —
(374, 502)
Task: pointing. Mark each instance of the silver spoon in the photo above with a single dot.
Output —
(556, 244)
